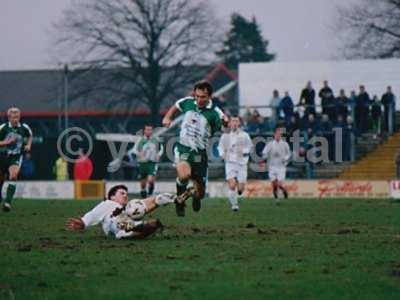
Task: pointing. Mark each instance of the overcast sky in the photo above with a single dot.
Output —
(298, 30)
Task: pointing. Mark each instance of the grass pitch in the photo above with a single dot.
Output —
(304, 249)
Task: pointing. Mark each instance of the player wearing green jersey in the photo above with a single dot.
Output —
(148, 151)
(15, 138)
(201, 120)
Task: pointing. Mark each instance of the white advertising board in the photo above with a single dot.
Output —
(43, 189)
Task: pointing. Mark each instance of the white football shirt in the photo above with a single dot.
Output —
(235, 147)
(277, 154)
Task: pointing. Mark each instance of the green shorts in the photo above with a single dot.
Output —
(7, 161)
(198, 161)
(147, 169)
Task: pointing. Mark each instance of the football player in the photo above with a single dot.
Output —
(277, 153)
(202, 118)
(15, 139)
(122, 218)
(234, 148)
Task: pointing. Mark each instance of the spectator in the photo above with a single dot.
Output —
(309, 126)
(255, 123)
(389, 105)
(60, 169)
(83, 167)
(328, 101)
(349, 133)
(307, 99)
(275, 105)
(376, 114)
(326, 132)
(27, 167)
(352, 103)
(292, 127)
(247, 115)
(287, 108)
(342, 103)
(362, 110)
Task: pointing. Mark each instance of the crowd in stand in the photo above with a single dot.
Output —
(356, 113)
(358, 110)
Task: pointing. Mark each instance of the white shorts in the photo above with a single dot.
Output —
(277, 174)
(237, 171)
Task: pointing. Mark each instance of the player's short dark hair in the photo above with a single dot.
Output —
(148, 125)
(279, 127)
(115, 189)
(204, 85)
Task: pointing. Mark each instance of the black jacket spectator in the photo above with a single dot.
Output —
(328, 101)
(307, 99)
(343, 104)
(362, 110)
(287, 107)
(389, 105)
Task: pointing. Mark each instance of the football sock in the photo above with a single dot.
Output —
(10, 191)
(143, 193)
(151, 189)
(232, 197)
(240, 193)
(181, 186)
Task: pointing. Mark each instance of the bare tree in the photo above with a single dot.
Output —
(142, 49)
(370, 29)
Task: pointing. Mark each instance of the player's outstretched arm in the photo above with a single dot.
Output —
(75, 224)
(167, 120)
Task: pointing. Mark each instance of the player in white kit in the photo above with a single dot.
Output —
(234, 148)
(122, 218)
(277, 153)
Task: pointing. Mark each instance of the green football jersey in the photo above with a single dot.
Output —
(198, 124)
(21, 133)
(151, 148)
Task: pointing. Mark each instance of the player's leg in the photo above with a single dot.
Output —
(3, 173)
(232, 194)
(151, 179)
(230, 176)
(273, 176)
(143, 179)
(199, 192)
(143, 192)
(13, 172)
(242, 179)
(199, 178)
(183, 171)
(2, 178)
(281, 178)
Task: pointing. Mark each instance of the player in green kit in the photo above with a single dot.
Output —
(201, 120)
(148, 151)
(15, 138)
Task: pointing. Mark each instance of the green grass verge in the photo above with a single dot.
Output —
(304, 249)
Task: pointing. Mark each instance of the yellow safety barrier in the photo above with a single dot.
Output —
(89, 189)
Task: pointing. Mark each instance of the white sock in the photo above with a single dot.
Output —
(233, 197)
